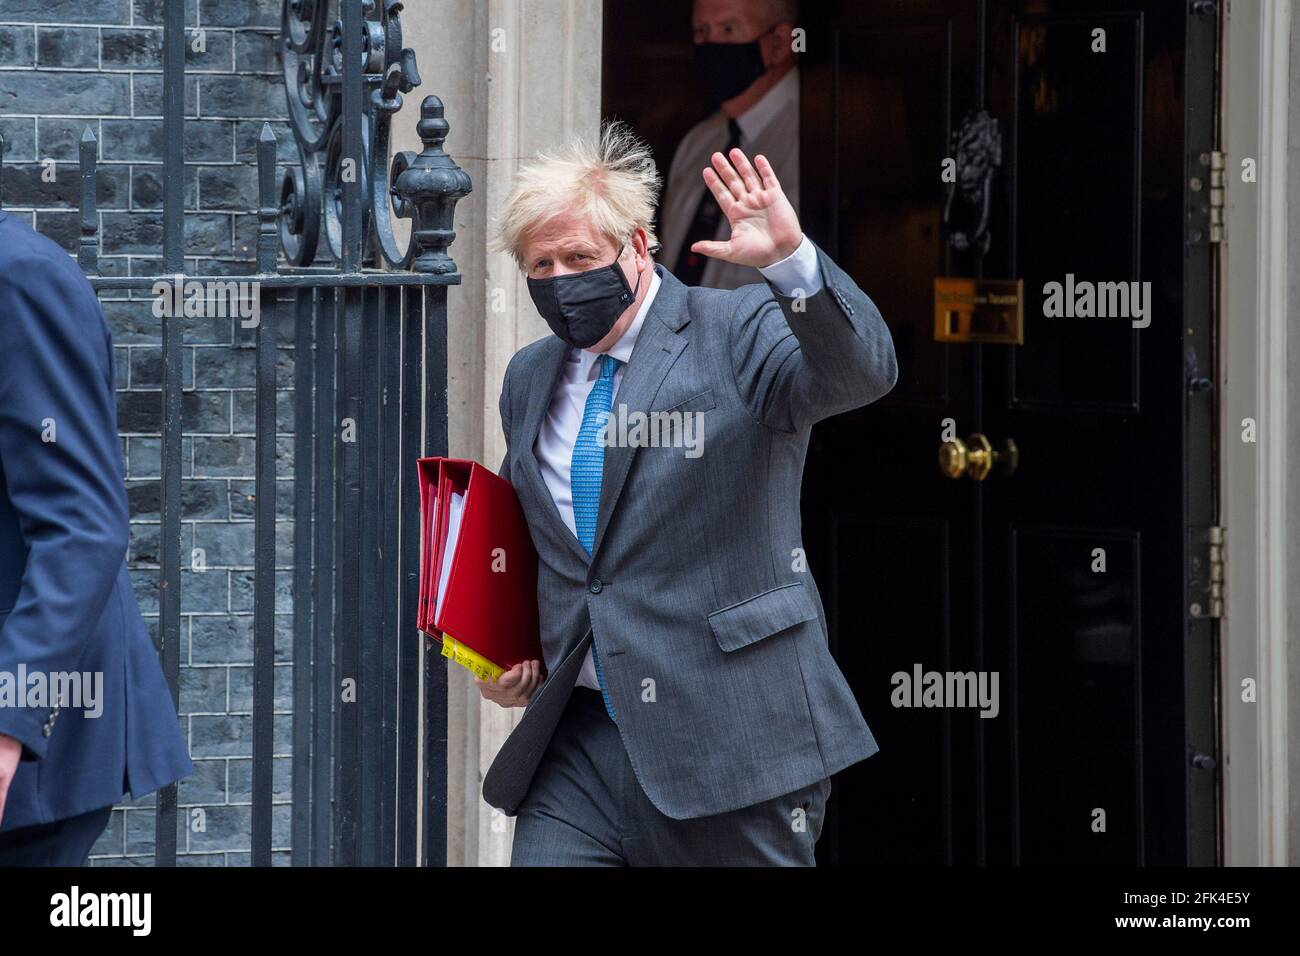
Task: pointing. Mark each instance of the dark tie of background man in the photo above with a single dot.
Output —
(690, 265)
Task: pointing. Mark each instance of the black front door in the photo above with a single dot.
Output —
(1067, 575)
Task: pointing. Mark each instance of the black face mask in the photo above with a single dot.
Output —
(728, 69)
(582, 307)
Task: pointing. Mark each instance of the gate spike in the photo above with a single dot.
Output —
(88, 250)
(268, 203)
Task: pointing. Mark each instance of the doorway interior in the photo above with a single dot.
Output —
(1077, 565)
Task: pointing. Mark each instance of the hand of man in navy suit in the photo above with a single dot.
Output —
(10, 753)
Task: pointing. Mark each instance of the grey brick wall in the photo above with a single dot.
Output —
(69, 64)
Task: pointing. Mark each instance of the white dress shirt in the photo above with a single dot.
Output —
(559, 431)
(783, 97)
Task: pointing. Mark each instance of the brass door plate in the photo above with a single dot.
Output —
(979, 310)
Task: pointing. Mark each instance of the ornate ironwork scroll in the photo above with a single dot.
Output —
(311, 51)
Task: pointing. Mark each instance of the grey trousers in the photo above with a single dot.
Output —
(586, 808)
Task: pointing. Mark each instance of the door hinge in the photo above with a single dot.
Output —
(1218, 190)
(1205, 581)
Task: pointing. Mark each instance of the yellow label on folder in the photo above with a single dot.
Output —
(479, 665)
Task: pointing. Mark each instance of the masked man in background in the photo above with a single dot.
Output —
(744, 54)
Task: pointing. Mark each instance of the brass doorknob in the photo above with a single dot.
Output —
(953, 458)
(977, 457)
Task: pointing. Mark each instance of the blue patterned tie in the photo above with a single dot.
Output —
(585, 474)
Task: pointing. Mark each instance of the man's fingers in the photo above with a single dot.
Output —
(511, 678)
(719, 189)
(741, 162)
(767, 172)
(711, 248)
(514, 687)
(10, 753)
(729, 176)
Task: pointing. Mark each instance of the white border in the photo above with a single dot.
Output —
(1275, 61)
(1253, 385)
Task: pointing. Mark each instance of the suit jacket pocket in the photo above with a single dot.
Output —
(762, 615)
(700, 402)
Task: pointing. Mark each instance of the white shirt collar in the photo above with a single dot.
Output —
(622, 349)
(784, 96)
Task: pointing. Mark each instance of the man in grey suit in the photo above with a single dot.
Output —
(691, 712)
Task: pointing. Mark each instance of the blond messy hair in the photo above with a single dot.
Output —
(611, 182)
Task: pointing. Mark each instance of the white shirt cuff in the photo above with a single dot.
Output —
(797, 273)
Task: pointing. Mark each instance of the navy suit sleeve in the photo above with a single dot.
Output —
(62, 467)
(799, 360)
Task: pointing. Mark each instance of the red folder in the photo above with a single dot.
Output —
(479, 551)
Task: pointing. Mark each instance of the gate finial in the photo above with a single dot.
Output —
(429, 186)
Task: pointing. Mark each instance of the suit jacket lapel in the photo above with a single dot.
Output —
(541, 389)
(657, 348)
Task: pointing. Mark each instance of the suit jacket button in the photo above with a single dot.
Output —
(596, 586)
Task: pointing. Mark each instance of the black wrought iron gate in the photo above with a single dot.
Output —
(369, 708)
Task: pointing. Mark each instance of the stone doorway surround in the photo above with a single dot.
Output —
(515, 76)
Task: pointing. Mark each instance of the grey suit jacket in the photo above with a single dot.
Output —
(712, 640)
